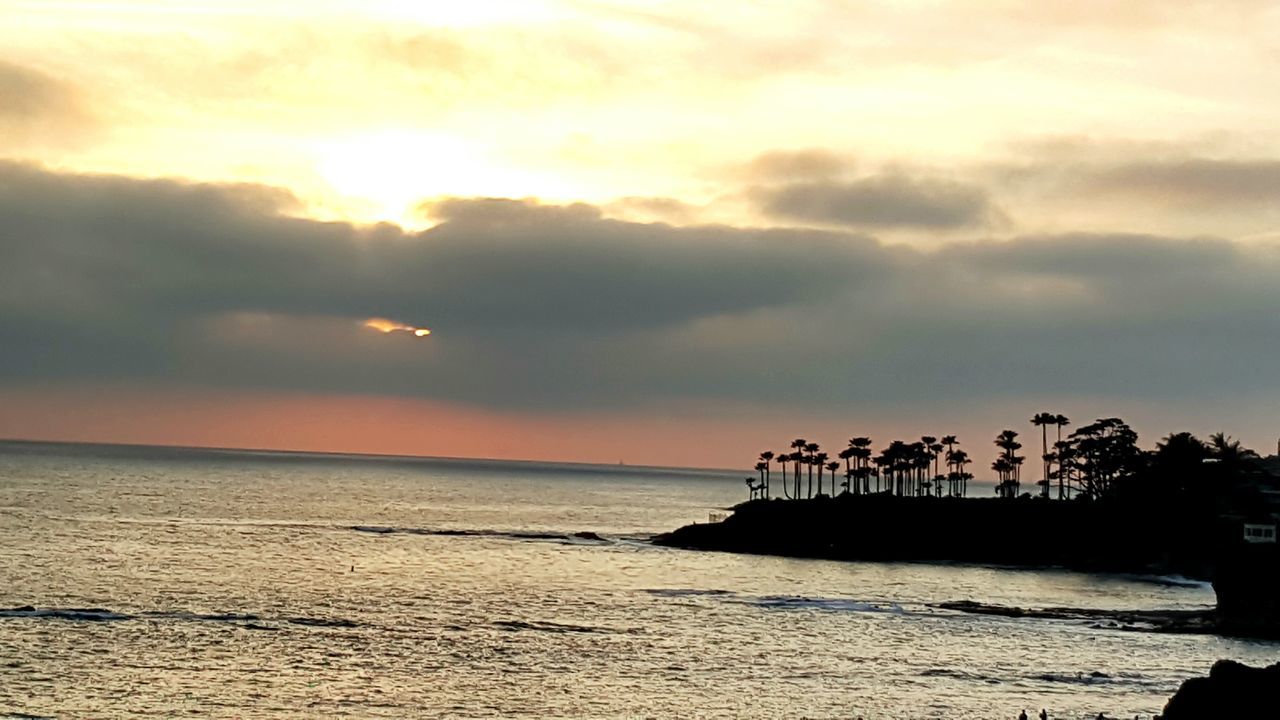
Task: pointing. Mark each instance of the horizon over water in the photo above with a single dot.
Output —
(142, 446)
(216, 582)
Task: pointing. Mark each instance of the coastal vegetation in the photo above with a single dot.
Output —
(1101, 502)
(1100, 461)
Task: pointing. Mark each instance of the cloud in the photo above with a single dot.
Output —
(557, 307)
(1217, 186)
(882, 201)
(35, 107)
(797, 165)
(1201, 182)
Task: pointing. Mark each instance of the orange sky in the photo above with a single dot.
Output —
(364, 424)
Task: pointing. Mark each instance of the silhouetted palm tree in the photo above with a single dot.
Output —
(1008, 464)
(950, 442)
(820, 459)
(782, 459)
(1229, 450)
(958, 459)
(833, 466)
(860, 450)
(797, 457)
(1060, 421)
(766, 457)
(1043, 421)
(811, 449)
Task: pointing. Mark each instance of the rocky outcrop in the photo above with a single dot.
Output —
(1232, 690)
(1026, 532)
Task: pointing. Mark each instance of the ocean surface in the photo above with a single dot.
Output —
(146, 582)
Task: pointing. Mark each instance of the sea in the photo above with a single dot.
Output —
(185, 583)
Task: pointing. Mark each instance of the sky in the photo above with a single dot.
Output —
(650, 232)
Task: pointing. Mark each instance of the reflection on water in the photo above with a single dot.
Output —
(137, 581)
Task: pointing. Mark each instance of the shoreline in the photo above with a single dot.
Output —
(1024, 533)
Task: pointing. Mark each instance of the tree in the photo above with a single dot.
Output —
(958, 459)
(1177, 464)
(860, 450)
(1229, 451)
(833, 466)
(820, 459)
(1043, 421)
(798, 445)
(846, 455)
(1008, 464)
(1105, 455)
(935, 452)
(811, 449)
(782, 459)
(1060, 421)
(766, 457)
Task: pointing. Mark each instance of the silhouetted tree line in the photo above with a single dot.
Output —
(1099, 461)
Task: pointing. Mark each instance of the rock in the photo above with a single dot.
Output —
(1231, 690)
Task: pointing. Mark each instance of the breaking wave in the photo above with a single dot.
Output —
(245, 620)
(783, 602)
(578, 538)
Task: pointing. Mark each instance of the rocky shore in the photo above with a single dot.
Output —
(1232, 690)
(1024, 532)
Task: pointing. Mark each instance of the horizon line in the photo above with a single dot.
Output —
(333, 453)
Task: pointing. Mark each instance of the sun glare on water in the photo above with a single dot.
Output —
(384, 325)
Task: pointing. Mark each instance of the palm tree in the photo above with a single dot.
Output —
(765, 457)
(1043, 421)
(798, 446)
(1003, 469)
(860, 449)
(811, 449)
(935, 451)
(1060, 421)
(820, 459)
(1229, 450)
(950, 442)
(782, 459)
(833, 466)
(845, 455)
(958, 459)
(797, 459)
(761, 467)
(1008, 463)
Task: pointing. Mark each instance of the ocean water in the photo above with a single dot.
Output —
(143, 582)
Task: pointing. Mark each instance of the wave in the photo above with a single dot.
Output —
(836, 604)
(1094, 678)
(960, 675)
(245, 620)
(685, 592)
(578, 538)
(518, 625)
(1072, 678)
(80, 614)
(782, 602)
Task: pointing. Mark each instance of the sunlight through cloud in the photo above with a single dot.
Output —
(383, 325)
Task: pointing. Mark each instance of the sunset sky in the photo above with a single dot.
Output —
(656, 232)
